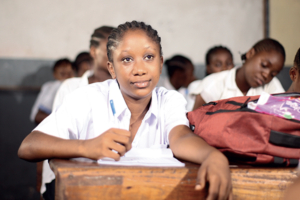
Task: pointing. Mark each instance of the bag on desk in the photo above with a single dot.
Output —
(245, 135)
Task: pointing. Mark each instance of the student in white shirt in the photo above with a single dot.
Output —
(99, 71)
(42, 107)
(82, 63)
(262, 63)
(98, 118)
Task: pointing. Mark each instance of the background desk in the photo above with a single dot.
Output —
(78, 180)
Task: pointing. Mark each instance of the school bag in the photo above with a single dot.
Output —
(245, 135)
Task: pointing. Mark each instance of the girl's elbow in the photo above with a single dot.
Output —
(24, 152)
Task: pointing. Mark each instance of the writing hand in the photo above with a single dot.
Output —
(115, 139)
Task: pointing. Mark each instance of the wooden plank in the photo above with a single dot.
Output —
(93, 181)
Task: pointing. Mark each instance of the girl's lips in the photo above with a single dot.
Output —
(259, 82)
(141, 84)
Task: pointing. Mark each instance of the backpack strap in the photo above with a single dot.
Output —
(284, 139)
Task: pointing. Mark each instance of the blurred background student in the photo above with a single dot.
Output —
(42, 107)
(295, 74)
(99, 71)
(180, 70)
(257, 74)
(217, 59)
(82, 63)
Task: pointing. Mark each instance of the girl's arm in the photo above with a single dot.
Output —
(38, 146)
(214, 165)
(198, 102)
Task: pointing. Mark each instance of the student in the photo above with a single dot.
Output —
(83, 62)
(42, 107)
(257, 74)
(176, 73)
(128, 110)
(99, 71)
(295, 74)
(218, 58)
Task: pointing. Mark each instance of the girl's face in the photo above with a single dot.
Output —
(261, 67)
(63, 72)
(219, 61)
(137, 65)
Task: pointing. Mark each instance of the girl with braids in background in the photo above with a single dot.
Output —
(128, 110)
(257, 74)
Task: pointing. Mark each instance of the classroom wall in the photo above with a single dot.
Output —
(46, 30)
(284, 26)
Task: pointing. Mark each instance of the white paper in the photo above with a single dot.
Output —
(160, 157)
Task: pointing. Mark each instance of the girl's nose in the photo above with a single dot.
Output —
(266, 73)
(139, 68)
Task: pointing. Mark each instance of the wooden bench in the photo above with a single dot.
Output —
(79, 180)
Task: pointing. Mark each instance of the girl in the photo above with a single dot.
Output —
(257, 74)
(126, 112)
(218, 58)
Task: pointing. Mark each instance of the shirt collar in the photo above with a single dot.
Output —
(120, 105)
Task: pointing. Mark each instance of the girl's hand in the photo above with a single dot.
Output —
(115, 139)
(215, 171)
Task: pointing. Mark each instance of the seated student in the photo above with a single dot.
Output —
(180, 77)
(83, 62)
(99, 71)
(130, 110)
(217, 59)
(42, 107)
(257, 74)
(295, 74)
(176, 73)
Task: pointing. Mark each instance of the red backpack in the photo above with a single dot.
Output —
(245, 135)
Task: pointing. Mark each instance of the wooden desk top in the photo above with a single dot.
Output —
(79, 180)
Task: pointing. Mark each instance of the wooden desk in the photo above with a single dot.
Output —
(78, 180)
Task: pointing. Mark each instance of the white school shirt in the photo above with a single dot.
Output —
(222, 85)
(69, 86)
(45, 98)
(65, 88)
(87, 112)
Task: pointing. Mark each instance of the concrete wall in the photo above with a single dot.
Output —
(47, 30)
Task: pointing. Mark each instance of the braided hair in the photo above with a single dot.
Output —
(267, 44)
(117, 34)
(213, 50)
(100, 33)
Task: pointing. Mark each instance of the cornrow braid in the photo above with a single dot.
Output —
(100, 33)
(297, 59)
(213, 50)
(267, 44)
(117, 34)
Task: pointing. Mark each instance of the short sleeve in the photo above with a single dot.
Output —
(212, 87)
(174, 111)
(69, 120)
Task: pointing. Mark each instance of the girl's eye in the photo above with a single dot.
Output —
(264, 65)
(126, 59)
(149, 57)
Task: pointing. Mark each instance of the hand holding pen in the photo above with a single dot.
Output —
(113, 143)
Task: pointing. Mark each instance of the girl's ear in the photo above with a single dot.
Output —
(93, 52)
(111, 69)
(293, 73)
(161, 64)
(250, 53)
